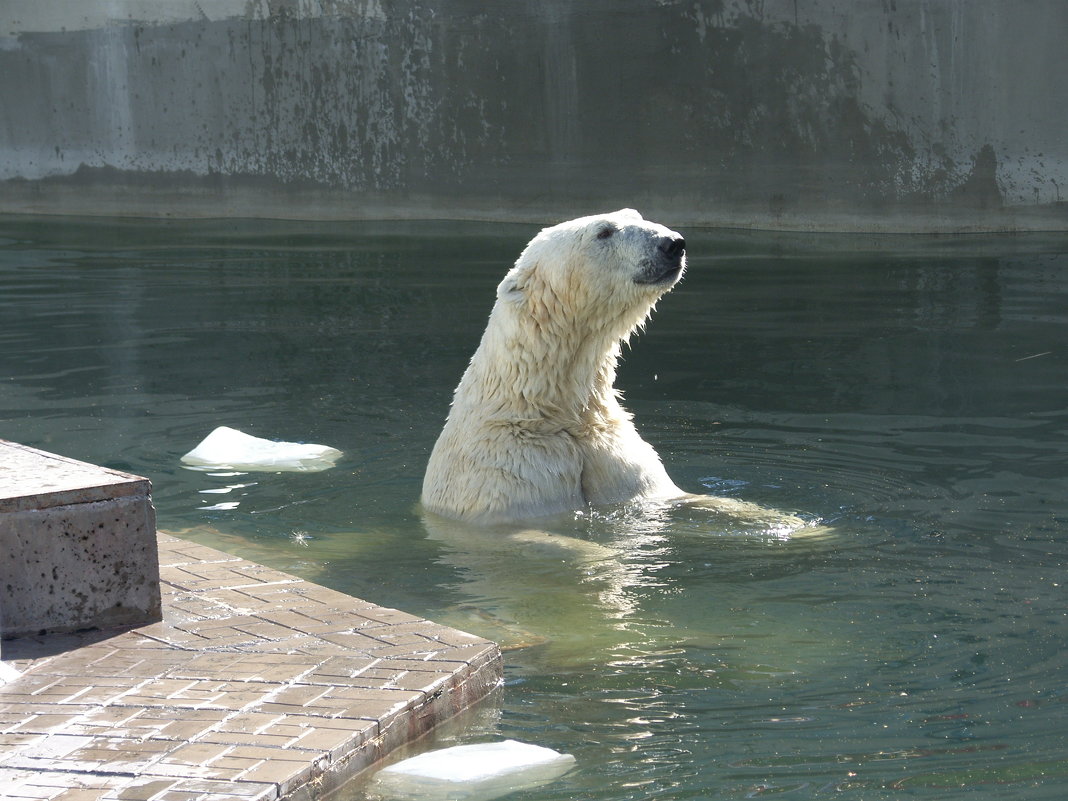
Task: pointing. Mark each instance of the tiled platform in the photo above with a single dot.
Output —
(256, 685)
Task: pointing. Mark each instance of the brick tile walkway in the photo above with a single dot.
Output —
(255, 685)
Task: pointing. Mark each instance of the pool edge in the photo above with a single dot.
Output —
(256, 684)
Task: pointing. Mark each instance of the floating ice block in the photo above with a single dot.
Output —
(477, 772)
(7, 673)
(230, 449)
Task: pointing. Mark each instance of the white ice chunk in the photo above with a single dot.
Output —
(7, 673)
(477, 772)
(234, 450)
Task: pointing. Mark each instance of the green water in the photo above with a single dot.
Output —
(909, 394)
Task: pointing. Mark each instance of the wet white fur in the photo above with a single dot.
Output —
(536, 427)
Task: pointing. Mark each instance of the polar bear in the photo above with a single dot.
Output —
(536, 427)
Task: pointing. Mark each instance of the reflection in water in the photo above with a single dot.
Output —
(581, 587)
(907, 395)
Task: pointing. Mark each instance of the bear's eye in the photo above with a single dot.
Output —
(606, 232)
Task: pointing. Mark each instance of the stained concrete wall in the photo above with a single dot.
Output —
(827, 114)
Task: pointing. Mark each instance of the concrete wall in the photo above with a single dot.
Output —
(827, 114)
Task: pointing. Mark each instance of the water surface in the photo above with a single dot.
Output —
(908, 394)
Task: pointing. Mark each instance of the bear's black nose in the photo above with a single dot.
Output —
(672, 246)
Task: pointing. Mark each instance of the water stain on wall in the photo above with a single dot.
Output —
(713, 106)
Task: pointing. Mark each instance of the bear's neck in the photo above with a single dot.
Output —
(530, 370)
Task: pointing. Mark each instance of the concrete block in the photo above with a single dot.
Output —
(77, 545)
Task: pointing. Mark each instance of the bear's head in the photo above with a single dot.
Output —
(607, 269)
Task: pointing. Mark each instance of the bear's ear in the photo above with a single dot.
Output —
(516, 285)
(631, 213)
(511, 288)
